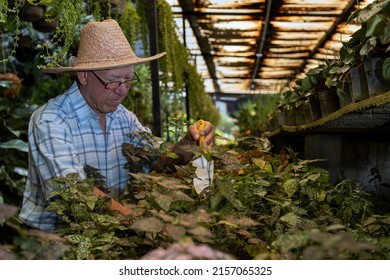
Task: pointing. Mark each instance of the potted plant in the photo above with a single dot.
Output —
(287, 107)
(336, 78)
(323, 99)
(369, 46)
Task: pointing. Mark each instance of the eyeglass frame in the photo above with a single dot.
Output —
(128, 83)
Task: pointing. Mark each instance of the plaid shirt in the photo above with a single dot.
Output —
(64, 136)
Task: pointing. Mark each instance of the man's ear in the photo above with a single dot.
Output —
(82, 77)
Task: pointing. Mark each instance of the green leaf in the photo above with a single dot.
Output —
(15, 144)
(287, 242)
(368, 47)
(314, 176)
(172, 155)
(386, 69)
(306, 84)
(366, 13)
(105, 220)
(83, 249)
(291, 218)
(291, 186)
(74, 238)
(263, 164)
(385, 37)
(227, 190)
(5, 84)
(21, 171)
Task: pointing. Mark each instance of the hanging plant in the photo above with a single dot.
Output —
(174, 62)
(130, 23)
(142, 11)
(201, 105)
(13, 90)
(69, 14)
(7, 10)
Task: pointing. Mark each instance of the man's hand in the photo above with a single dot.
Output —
(193, 134)
(185, 155)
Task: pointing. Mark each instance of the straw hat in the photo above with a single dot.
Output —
(102, 46)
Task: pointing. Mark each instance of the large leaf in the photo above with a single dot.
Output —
(291, 186)
(366, 13)
(15, 144)
(227, 190)
(287, 242)
(291, 218)
(164, 201)
(368, 47)
(375, 25)
(149, 224)
(263, 164)
(385, 37)
(386, 69)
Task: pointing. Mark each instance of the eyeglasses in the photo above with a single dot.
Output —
(115, 84)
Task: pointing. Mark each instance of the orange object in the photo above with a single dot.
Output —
(115, 205)
(200, 124)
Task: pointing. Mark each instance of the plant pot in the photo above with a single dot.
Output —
(291, 119)
(315, 108)
(26, 50)
(346, 95)
(31, 13)
(299, 116)
(282, 118)
(16, 84)
(12, 3)
(329, 102)
(272, 124)
(375, 81)
(45, 26)
(307, 113)
(358, 84)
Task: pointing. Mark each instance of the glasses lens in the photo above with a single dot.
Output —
(128, 83)
(113, 85)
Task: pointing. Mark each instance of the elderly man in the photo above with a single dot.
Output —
(87, 125)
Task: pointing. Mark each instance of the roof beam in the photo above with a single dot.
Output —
(341, 18)
(263, 35)
(187, 7)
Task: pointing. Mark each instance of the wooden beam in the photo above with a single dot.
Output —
(152, 10)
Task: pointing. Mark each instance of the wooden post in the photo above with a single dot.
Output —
(186, 74)
(152, 10)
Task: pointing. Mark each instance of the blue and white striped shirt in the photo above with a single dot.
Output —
(64, 136)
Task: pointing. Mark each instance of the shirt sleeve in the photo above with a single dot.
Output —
(141, 136)
(54, 153)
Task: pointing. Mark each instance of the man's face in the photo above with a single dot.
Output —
(104, 90)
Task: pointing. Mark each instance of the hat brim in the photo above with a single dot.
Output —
(106, 65)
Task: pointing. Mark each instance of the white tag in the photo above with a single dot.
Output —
(204, 173)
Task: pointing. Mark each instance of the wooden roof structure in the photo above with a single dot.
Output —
(252, 47)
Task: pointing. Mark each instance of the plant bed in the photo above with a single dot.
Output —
(259, 206)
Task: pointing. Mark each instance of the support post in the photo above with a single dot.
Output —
(152, 10)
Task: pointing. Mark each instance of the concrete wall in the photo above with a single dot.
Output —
(352, 156)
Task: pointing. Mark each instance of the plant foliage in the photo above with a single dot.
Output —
(259, 206)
